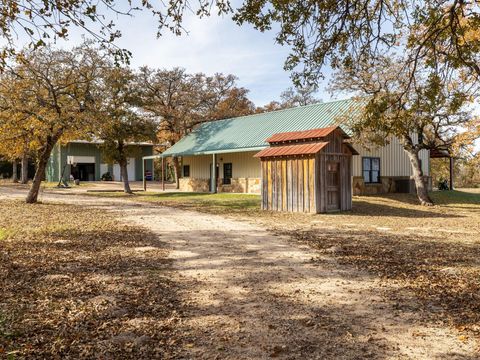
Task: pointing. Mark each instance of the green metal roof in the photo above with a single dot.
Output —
(248, 133)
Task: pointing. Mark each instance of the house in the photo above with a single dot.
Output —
(231, 144)
(84, 160)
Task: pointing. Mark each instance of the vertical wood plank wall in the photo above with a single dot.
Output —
(289, 184)
(299, 183)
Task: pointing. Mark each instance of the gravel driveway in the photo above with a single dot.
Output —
(249, 294)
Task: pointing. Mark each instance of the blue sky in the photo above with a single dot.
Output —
(213, 44)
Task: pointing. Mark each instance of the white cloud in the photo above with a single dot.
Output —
(213, 44)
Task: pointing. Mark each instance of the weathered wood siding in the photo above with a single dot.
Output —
(289, 184)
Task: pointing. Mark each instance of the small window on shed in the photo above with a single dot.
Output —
(371, 169)
(227, 173)
(186, 170)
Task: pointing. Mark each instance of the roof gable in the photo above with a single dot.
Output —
(249, 133)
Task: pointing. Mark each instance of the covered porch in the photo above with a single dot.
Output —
(446, 154)
(227, 170)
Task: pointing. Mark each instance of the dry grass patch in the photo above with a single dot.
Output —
(78, 284)
(431, 255)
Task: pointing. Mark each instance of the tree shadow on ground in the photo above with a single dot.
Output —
(442, 276)
(387, 209)
(257, 297)
(88, 294)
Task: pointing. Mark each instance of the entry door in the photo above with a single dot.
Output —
(333, 186)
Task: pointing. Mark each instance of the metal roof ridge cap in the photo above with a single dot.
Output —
(273, 111)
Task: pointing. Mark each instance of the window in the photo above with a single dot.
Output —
(371, 169)
(227, 173)
(186, 170)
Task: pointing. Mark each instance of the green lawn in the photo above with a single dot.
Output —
(249, 204)
(214, 203)
(457, 197)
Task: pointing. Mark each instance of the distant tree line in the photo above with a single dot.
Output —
(50, 96)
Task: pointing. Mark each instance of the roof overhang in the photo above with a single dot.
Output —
(210, 152)
(292, 150)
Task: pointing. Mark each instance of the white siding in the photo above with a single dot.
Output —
(393, 162)
(244, 165)
(393, 159)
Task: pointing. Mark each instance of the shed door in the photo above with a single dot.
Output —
(333, 186)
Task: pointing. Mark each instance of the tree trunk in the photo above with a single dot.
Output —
(24, 170)
(124, 175)
(422, 192)
(14, 171)
(176, 165)
(32, 196)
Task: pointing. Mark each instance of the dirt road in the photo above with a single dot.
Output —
(249, 294)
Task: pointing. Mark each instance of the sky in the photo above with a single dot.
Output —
(213, 44)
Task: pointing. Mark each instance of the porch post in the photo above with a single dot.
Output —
(451, 172)
(144, 165)
(163, 173)
(213, 179)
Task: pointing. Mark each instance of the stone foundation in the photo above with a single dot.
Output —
(194, 185)
(238, 185)
(402, 184)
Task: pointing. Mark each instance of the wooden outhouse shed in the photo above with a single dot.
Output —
(307, 171)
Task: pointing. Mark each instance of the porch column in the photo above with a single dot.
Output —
(213, 179)
(163, 174)
(144, 165)
(451, 172)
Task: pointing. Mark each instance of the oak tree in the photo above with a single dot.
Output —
(426, 116)
(180, 101)
(119, 123)
(48, 95)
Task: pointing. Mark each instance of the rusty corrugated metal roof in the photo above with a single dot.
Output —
(286, 150)
(301, 135)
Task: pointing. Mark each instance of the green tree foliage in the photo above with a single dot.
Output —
(337, 33)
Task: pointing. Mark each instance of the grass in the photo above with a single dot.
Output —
(74, 286)
(3, 234)
(213, 203)
(457, 197)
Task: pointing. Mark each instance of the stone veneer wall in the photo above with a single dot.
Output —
(386, 185)
(238, 185)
